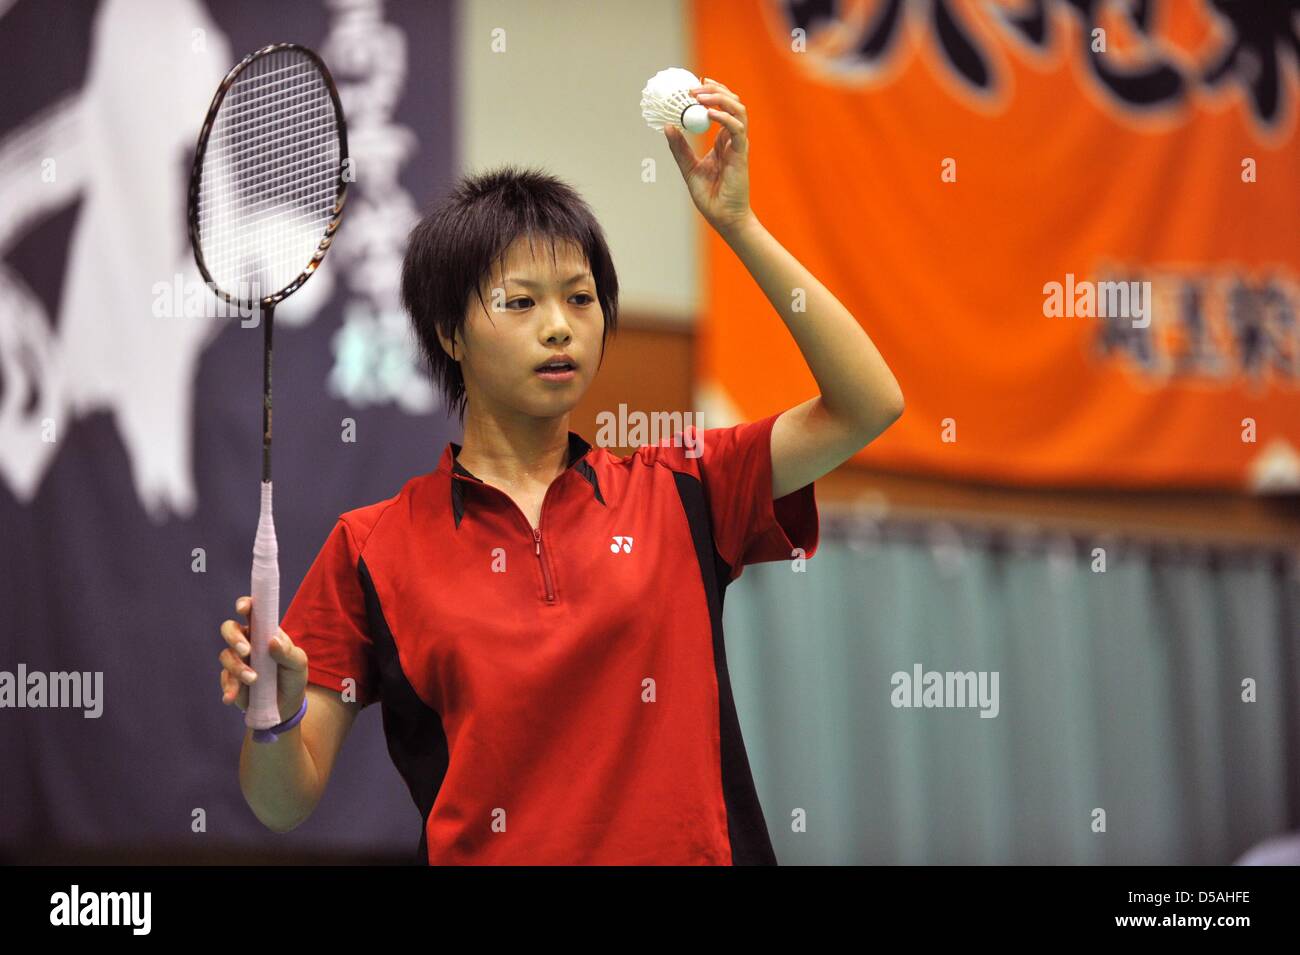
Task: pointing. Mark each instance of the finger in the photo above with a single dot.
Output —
(710, 85)
(232, 692)
(724, 101)
(724, 138)
(236, 666)
(243, 604)
(236, 635)
(681, 149)
(738, 140)
(229, 688)
(286, 654)
(720, 104)
(715, 89)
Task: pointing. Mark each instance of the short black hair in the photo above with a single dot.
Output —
(451, 250)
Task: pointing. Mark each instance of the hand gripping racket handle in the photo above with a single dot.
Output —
(263, 703)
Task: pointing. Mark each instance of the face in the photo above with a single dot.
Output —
(537, 310)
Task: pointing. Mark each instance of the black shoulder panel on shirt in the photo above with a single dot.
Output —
(750, 843)
(416, 740)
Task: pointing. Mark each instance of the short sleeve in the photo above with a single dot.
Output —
(327, 618)
(749, 527)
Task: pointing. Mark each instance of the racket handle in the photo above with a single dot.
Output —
(263, 702)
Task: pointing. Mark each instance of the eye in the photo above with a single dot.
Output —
(588, 298)
(518, 300)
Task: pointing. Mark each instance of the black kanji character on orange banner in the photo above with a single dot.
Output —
(1155, 84)
(1263, 329)
(1261, 29)
(960, 53)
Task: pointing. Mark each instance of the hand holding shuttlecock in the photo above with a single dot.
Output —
(718, 181)
(666, 101)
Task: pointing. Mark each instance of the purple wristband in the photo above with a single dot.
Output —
(269, 735)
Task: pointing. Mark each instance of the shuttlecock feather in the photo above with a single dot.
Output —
(666, 102)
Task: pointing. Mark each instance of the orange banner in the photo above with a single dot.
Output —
(1071, 227)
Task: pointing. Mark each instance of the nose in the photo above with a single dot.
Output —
(556, 327)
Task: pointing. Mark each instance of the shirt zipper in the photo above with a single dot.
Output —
(546, 574)
(537, 531)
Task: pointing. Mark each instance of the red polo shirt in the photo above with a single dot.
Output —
(559, 695)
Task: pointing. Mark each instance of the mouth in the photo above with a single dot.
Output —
(558, 369)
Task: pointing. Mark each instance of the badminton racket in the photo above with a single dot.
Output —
(266, 196)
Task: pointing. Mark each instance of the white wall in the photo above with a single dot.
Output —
(565, 94)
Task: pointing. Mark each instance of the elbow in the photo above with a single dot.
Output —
(282, 828)
(275, 811)
(281, 825)
(895, 406)
(875, 415)
(890, 409)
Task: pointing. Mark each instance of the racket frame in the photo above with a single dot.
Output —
(196, 175)
(263, 709)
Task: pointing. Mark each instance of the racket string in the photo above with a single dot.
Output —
(275, 128)
(313, 236)
(271, 176)
(249, 98)
(259, 214)
(249, 174)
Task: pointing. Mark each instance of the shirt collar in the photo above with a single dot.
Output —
(461, 478)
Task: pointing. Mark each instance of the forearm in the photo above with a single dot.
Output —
(279, 780)
(856, 384)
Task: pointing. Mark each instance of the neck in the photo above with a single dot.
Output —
(515, 453)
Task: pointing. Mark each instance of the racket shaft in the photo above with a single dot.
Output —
(263, 703)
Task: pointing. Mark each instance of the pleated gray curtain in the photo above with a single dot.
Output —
(1119, 690)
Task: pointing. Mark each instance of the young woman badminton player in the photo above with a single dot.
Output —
(539, 619)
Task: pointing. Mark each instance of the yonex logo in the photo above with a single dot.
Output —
(621, 542)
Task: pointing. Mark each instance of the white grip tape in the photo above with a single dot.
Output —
(263, 705)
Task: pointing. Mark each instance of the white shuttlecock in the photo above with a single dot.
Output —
(666, 102)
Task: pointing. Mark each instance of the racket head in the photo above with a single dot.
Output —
(269, 177)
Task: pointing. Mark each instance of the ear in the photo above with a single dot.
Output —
(450, 345)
